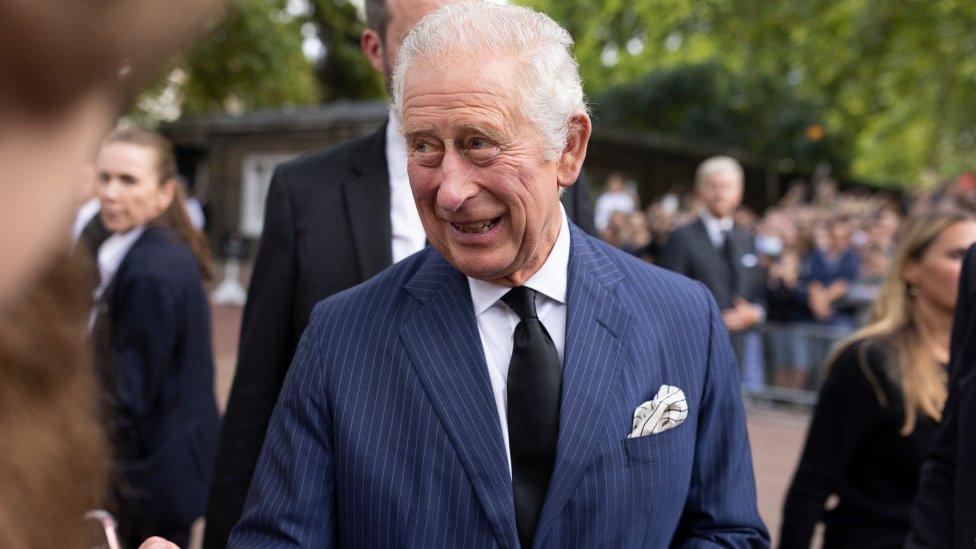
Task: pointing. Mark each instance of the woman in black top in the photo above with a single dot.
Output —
(882, 399)
(152, 341)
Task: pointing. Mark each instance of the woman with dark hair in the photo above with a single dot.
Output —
(152, 340)
(882, 400)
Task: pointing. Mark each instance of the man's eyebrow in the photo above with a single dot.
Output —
(416, 130)
(489, 132)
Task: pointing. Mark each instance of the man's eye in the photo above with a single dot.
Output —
(425, 148)
(481, 148)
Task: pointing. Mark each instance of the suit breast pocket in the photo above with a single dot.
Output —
(666, 446)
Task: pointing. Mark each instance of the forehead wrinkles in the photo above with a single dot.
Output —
(457, 112)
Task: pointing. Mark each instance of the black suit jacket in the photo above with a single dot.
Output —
(153, 352)
(690, 251)
(327, 228)
(944, 514)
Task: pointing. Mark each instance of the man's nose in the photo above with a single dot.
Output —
(456, 184)
(108, 190)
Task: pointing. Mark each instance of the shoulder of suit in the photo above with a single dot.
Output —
(326, 161)
(871, 362)
(380, 289)
(160, 254)
(685, 230)
(652, 281)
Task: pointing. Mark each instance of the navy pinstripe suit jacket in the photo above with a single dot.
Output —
(386, 432)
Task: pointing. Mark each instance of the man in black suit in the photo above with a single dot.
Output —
(722, 256)
(944, 514)
(333, 219)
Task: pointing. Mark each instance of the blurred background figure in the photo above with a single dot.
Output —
(722, 256)
(615, 198)
(194, 208)
(881, 402)
(829, 270)
(152, 340)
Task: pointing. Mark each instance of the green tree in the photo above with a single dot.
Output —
(344, 73)
(253, 60)
(895, 80)
(709, 103)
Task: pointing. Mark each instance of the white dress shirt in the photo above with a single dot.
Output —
(716, 227)
(110, 256)
(497, 322)
(408, 231)
(85, 214)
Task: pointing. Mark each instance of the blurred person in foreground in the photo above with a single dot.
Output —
(333, 219)
(483, 392)
(944, 513)
(54, 459)
(882, 400)
(60, 92)
(722, 256)
(152, 340)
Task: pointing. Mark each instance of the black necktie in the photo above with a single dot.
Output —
(534, 383)
(729, 254)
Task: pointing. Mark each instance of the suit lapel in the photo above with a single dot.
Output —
(367, 196)
(444, 346)
(595, 324)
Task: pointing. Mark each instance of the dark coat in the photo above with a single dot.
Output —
(690, 251)
(153, 350)
(944, 514)
(327, 228)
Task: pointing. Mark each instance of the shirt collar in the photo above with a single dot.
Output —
(112, 252)
(549, 280)
(715, 226)
(396, 154)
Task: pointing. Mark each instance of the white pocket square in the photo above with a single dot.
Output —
(666, 411)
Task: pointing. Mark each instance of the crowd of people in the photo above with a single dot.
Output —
(824, 254)
(476, 362)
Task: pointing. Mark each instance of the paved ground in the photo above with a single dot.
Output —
(776, 435)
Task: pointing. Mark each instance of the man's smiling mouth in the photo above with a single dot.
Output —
(476, 227)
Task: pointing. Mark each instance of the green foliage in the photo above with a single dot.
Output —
(345, 72)
(254, 59)
(709, 103)
(895, 82)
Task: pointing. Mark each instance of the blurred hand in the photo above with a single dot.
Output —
(820, 303)
(158, 543)
(743, 315)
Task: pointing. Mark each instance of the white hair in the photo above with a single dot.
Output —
(549, 89)
(718, 164)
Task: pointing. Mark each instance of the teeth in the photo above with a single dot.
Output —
(479, 227)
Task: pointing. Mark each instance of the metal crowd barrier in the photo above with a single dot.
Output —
(784, 362)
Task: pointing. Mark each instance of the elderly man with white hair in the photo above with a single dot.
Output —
(723, 257)
(518, 383)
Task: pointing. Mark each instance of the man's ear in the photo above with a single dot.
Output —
(571, 159)
(372, 46)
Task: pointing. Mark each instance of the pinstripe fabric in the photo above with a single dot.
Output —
(386, 434)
